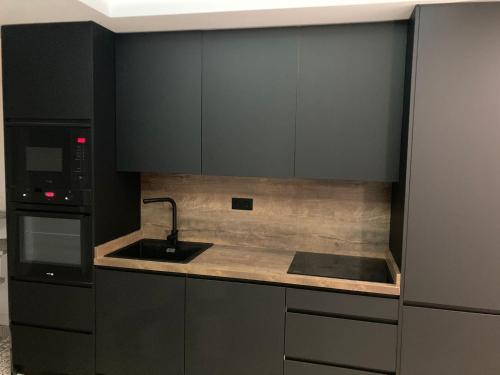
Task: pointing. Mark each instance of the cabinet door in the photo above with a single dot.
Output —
(158, 102)
(46, 351)
(453, 230)
(441, 342)
(249, 94)
(350, 100)
(234, 328)
(47, 71)
(52, 305)
(139, 323)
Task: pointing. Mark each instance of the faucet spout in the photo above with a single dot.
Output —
(172, 237)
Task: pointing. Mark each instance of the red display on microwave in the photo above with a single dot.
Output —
(81, 140)
(50, 194)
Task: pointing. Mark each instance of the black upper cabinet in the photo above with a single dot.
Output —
(234, 328)
(249, 95)
(453, 218)
(350, 100)
(139, 323)
(158, 97)
(47, 71)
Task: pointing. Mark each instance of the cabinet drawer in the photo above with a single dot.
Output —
(355, 343)
(45, 351)
(302, 368)
(452, 342)
(343, 304)
(48, 305)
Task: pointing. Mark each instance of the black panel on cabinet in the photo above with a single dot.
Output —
(234, 328)
(441, 342)
(346, 342)
(47, 71)
(158, 96)
(49, 305)
(453, 212)
(356, 306)
(40, 351)
(139, 323)
(249, 98)
(350, 100)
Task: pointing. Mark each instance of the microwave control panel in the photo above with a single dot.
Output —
(80, 158)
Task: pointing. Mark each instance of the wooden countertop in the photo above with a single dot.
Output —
(245, 263)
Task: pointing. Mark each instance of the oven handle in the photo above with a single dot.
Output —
(49, 214)
(29, 207)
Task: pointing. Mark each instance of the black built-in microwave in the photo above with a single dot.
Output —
(48, 164)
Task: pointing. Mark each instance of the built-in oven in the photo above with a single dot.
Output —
(53, 246)
(48, 164)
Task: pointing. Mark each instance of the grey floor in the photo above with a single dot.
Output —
(4, 356)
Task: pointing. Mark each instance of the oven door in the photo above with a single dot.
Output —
(51, 246)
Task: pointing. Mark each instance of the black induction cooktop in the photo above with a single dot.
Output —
(341, 267)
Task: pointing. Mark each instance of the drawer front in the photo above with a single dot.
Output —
(452, 342)
(303, 368)
(45, 351)
(368, 307)
(344, 342)
(48, 305)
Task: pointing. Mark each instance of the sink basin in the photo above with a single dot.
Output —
(161, 250)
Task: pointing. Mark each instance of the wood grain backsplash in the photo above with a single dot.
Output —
(290, 214)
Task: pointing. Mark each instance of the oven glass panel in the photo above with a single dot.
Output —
(44, 159)
(45, 240)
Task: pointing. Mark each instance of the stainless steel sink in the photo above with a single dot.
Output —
(162, 251)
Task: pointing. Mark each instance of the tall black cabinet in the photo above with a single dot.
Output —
(449, 227)
(61, 76)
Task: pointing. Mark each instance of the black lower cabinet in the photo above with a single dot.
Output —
(139, 323)
(442, 342)
(49, 305)
(329, 333)
(41, 351)
(338, 341)
(234, 328)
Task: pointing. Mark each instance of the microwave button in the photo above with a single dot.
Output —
(50, 194)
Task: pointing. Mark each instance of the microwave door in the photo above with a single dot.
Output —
(48, 164)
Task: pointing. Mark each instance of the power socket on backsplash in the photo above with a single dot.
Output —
(242, 204)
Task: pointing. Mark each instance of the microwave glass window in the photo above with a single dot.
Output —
(44, 159)
(46, 240)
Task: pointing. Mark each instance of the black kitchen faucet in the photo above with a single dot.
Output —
(172, 237)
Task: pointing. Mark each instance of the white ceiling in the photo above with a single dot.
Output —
(134, 8)
(158, 15)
